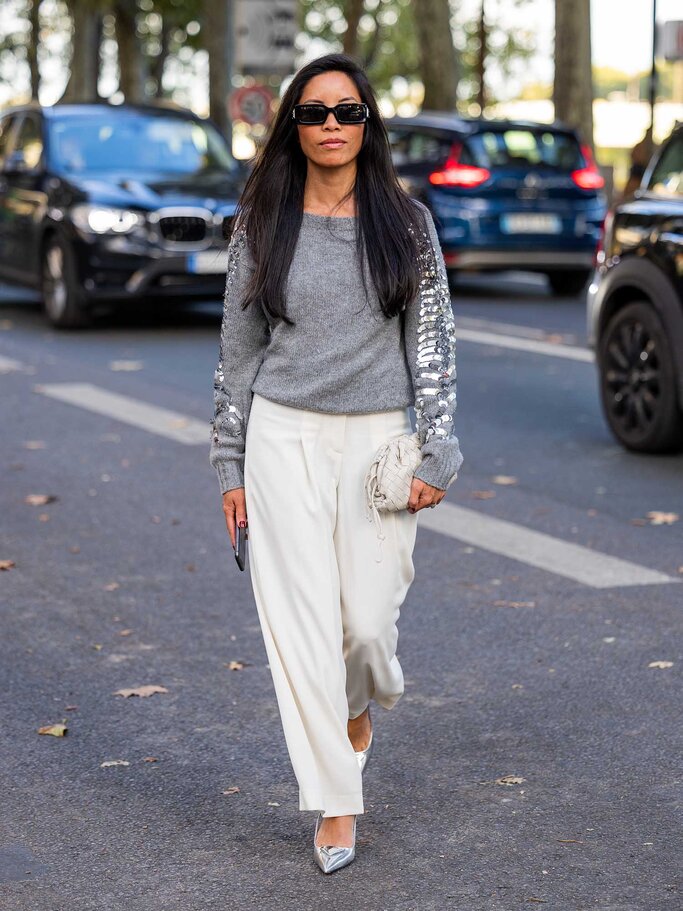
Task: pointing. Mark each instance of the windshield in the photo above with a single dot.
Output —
(525, 148)
(130, 141)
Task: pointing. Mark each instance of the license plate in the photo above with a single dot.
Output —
(528, 223)
(208, 261)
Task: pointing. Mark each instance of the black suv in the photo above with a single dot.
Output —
(635, 309)
(102, 202)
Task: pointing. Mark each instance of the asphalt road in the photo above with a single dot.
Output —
(535, 758)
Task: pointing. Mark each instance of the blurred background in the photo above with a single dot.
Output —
(589, 64)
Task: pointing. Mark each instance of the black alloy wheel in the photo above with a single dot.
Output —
(63, 297)
(638, 381)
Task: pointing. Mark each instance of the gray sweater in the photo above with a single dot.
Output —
(344, 355)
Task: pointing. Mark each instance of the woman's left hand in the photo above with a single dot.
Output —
(422, 495)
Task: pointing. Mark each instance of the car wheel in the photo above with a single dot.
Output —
(63, 298)
(638, 381)
(568, 283)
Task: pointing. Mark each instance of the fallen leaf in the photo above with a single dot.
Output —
(148, 689)
(638, 522)
(510, 779)
(661, 664)
(111, 586)
(514, 603)
(517, 686)
(237, 665)
(44, 517)
(126, 365)
(483, 494)
(75, 549)
(7, 564)
(233, 790)
(34, 444)
(150, 759)
(98, 646)
(125, 632)
(504, 479)
(39, 499)
(113, 762)
(57, 730)
(273, 803)
(662, 518)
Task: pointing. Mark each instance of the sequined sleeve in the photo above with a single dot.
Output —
(243, 341)
(429, 330)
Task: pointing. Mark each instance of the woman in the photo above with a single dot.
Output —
(337, 316)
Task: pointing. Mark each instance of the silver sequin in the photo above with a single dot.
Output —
(227, 416)
(434, 372)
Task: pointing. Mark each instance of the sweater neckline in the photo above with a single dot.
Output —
(340, 222)
(330, 217)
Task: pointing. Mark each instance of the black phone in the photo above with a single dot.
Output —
(241, 546)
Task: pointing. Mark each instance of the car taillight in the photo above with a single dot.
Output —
(455, 174)
(588, 178)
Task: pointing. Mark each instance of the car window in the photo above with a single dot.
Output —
(130, 142)
(525, 148)
(667, 176)
(411, 147)
(29, 141)
(6, 125)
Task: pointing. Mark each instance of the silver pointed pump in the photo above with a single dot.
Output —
(332, 857)
(363, 756)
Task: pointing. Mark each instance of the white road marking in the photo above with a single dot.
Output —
(162, 421)
(497, 535)
(538, 549)
(479, 337)
(492, 325)
(8, 364)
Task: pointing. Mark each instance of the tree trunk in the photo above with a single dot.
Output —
(438, 60)
(353, 10)
(481, 58)
(158, 63)
(216, 28)
(86, 33)
(573, 88)
(131, 63)
(32, 47)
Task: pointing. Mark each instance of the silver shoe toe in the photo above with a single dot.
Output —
(332, 857)
(363, 756)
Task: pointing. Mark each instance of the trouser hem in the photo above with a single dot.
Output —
(332, 804)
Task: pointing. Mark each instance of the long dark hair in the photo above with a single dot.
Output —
(271, 205)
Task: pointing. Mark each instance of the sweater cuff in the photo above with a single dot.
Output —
(230, 475)
(441, 461)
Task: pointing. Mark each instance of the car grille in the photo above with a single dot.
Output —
(182, 229)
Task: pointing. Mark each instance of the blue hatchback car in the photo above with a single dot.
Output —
(505, 194)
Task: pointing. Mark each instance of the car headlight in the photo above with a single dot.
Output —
(105, 219)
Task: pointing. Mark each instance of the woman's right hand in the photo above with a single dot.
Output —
(235, 509)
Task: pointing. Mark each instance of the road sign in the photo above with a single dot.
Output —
(672, 40)
(265, 31)
(252, 104)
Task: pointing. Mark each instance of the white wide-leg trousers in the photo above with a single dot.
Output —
(328, 609)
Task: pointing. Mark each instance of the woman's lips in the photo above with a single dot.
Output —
(333, 143)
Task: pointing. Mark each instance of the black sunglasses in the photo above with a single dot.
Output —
(356, 112)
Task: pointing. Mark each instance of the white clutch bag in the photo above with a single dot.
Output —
(389, 477)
